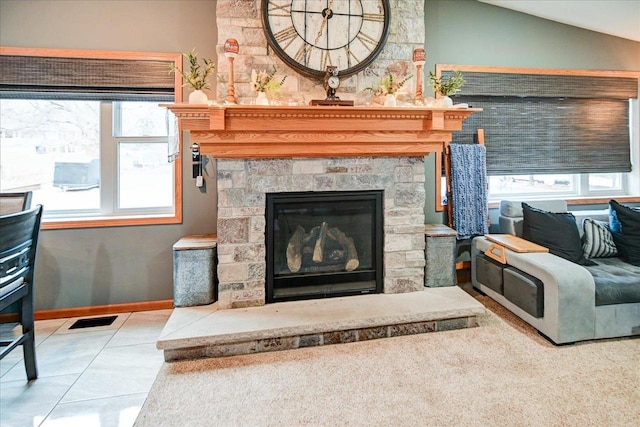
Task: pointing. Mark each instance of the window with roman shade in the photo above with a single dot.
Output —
(85, 131)
(49, 77)
(543, 123)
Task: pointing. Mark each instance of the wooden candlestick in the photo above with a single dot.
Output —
(231, 49)
(231, 90)
(419, 83)
(419, 58)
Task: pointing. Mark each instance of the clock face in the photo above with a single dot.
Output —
(310, 34)
(333, 82)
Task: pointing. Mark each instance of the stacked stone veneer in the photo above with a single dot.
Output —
(242, 188)
(240, 20)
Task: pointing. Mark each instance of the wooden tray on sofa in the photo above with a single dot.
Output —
(509, 241)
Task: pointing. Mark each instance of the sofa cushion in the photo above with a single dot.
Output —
(556, 231)
(624, 222)
(513, 209)
(617, 282)
(597, 240)
(510, 219)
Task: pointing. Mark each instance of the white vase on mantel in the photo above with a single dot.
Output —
(198, 97)
(390, 100)
(262, 99)
(445, 102)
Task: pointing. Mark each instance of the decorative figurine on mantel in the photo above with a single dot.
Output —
(330, 84)
(231, 49)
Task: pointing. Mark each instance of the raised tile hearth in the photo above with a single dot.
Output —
(205, 331)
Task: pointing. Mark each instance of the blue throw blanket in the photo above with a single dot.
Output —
(469, 188)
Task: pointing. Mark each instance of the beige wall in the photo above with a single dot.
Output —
(120, 264)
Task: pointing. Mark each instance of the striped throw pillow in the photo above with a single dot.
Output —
(597, 241)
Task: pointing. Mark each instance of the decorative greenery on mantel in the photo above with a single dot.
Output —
(197, 76)
(450, 87)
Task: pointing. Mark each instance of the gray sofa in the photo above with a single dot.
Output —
(564, 301)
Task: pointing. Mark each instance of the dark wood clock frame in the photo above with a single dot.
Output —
(319, 74)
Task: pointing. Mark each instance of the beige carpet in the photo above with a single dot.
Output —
(498, 374)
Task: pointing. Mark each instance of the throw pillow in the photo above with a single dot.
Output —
(624, 222)
(556, 231)
(597, 240)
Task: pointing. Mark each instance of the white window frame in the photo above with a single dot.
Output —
(113, 217)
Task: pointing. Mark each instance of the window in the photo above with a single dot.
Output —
(570, 134)
(579, 186)
(561, 185)
(92, 156)
(53, 149)
(144, 176)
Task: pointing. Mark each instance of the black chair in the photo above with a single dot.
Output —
(18, 248)
(14, 202)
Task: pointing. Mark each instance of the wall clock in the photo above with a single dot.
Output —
(309, 35)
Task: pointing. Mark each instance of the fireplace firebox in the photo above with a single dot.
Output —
(323, 244)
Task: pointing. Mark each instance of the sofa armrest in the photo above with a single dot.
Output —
(569, 293)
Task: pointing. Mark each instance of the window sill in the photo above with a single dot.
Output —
(574, 201)
(98, 222)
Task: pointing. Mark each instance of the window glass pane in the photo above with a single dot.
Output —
(145, 178)
(605, 181)
(531, 184)
(140, 119)
(51, 147)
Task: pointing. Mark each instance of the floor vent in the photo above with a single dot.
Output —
(93, 322)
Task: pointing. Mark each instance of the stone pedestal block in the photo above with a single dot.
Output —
(194, 270)
(440, 248)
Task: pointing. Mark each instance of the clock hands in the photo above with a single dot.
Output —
(326, 14)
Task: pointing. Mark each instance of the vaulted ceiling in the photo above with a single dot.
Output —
(620, 18)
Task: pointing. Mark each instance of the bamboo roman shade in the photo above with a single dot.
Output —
(539, 124)
(45, 77)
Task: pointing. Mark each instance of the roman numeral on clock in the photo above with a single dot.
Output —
(325, 59)
(303, 53)
(367, 41)
(280, 10)
(350, 55)
(288, 34)
(375, 17)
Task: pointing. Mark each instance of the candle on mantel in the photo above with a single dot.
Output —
(231, 49)
(419, 58)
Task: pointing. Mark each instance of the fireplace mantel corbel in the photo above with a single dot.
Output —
(259, 132)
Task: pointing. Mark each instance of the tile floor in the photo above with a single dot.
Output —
(97, 376)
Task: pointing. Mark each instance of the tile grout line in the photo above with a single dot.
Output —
(84, 370)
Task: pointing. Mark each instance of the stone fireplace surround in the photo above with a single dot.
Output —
(297, 148)
(325, 145)
(242, 188)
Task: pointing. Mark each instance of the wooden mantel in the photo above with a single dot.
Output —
(254, 132)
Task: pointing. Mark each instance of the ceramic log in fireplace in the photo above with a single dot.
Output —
(323, 244)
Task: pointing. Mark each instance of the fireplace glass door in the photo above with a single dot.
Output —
(323, 244)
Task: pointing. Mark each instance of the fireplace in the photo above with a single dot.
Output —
(261, 150)
(340, 192)
(323, 244)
